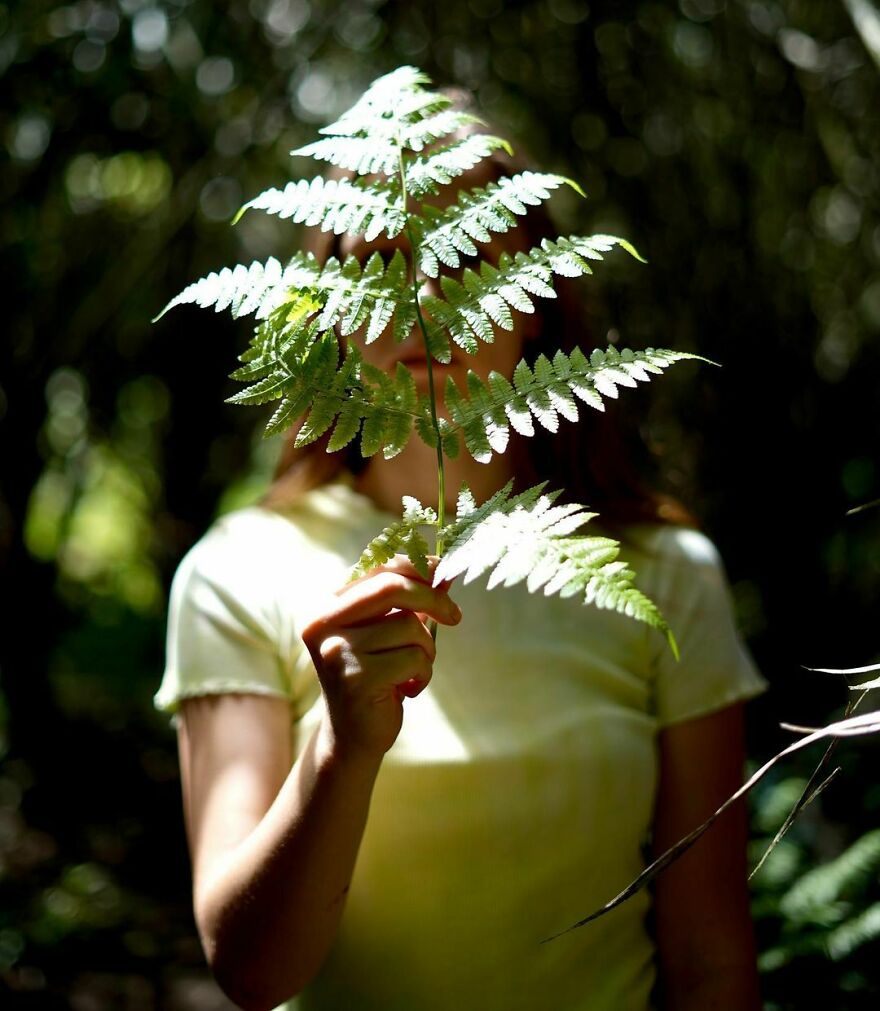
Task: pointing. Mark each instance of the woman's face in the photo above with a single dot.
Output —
(501, 356)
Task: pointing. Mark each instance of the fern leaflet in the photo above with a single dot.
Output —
(244, 290)
(404, 537)
(452, 232)
(429, 172)
(545, 392)
(347, 294)
(821, 892)
(298, 363)
(336, 205)
(471, 307)
(861, 929)
(525, 537)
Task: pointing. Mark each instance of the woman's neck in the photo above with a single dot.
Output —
(414, 472)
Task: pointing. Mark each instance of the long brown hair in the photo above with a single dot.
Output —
(591, 460)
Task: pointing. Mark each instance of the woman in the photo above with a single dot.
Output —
(367, 851)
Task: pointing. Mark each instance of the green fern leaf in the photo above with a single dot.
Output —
(393, 97)
(546, 392)
(299, 363)
(466, 504)
(348, 424)
(526, 538)
(431, 171)
(822, 892)
(469, 308)
(860, 930)
(364, 155)
(334, 205)
(401, 537)
(449, 234)
(242, 286)
(260, 288)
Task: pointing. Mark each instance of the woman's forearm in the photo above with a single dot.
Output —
(268, 913)
(726, 987)
(268, 908)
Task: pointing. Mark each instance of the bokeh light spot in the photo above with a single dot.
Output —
(215, 76)
(149, 30)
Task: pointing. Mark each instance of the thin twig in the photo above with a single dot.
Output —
(866, 723)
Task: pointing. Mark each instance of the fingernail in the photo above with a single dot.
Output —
(412, 687)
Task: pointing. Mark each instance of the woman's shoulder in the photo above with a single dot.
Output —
(258, 536)
(671, 546)
(245, 532)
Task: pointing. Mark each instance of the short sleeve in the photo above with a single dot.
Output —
(715, 668)
(222, 631)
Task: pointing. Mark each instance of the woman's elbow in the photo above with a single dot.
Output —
(242, 974)
(246, 983)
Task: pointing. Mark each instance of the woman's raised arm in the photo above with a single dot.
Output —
(273, 847)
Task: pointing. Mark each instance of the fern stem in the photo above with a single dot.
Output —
(441, 470)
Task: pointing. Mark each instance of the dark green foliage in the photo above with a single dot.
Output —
(735, 143)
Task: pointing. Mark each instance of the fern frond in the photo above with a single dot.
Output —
(396, 108)
(347, 294)
(470, 308)
(416, 136)
(334, 205)
(860, 930)
(429, 172)
(818, 893)
(299, 363)
(364, 155)
(452, 232)
(368, 295)
(398, 95)
(395, 114)
(259, 288)
(401, 537)
(243, 289)
(545, 392)
(527, 538)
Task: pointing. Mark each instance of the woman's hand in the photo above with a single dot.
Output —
(371, 648)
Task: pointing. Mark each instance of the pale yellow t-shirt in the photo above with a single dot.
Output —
(519, 794)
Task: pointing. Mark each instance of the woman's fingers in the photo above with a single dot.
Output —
(377, 595)
(402, 564)
(395, 631)
(342, 655)
(399, 563)
(371, 649)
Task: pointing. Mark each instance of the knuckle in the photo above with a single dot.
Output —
(314, 630)
(333, 645)
(334, 652)
(310, 635)
(416, 662)
(392, 584)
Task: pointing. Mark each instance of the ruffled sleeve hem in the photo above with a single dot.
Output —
(167, 700)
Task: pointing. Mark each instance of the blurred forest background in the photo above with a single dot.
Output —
(736, 144)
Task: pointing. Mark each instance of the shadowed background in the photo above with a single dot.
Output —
(736, 144)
